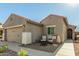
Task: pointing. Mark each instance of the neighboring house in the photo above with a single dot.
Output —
(50, 25)
(1, 31)
(77, 35)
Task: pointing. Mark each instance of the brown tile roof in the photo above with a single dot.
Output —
(36, 23)
(28, 20)
(64, 18)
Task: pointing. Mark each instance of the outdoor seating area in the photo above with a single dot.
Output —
(50, 39)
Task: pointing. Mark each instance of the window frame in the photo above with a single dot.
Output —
(50, 30)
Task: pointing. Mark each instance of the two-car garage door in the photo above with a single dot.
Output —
(14, 34)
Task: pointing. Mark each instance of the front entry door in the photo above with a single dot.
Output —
(69, 34)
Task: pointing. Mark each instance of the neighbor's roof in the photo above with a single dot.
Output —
(64, 18)
(77, 32)
(28, 20)
(72, 26)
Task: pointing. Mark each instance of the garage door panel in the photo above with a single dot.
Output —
(14, 34)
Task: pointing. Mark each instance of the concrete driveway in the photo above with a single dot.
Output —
(32, 52)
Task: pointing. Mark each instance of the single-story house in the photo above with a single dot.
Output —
(50, 25)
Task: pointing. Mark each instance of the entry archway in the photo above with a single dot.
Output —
(69, 33)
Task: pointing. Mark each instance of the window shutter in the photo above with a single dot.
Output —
(48, 30)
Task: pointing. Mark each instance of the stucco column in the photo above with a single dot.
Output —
(73, 34)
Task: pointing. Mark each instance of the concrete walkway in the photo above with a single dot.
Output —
(67, 49)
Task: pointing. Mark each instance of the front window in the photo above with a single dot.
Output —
(50, 30)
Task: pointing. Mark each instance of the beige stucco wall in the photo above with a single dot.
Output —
(60, 28)
(36, 31)
(64, 31)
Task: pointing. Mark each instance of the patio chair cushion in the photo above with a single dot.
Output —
(43, 38)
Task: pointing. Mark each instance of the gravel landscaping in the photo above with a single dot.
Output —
(76, 47)
(9, 53)
(48, 48)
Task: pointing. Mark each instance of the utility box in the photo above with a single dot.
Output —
(26, 38)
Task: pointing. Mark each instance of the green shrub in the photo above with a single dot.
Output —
(1, 50)
(23, 53)
(5, 47)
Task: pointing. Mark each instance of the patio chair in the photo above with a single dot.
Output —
(44, 40)
(52, 38)
(49, 39)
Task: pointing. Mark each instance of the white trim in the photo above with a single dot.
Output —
(13, 26)
(51, 26)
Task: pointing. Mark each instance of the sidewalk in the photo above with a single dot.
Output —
(67, 49)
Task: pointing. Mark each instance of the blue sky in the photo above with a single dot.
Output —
(38, 11)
